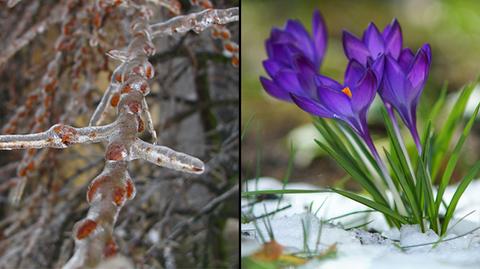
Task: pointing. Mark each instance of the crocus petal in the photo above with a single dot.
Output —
(374, 41)
(428, 51)
(319, 35)
(288, 81)
(328, 82)
(302, 64)
(335, 101)
(278, 36)
(272, 89)
(354, 48)
(306, 75)
(396, 77)
(310, 106)
(272, 67)
(392, 36)
(418, 73)
(378, 66)
(364, 92)
(388, 94)
(308, 85)
(282, 52)
(405, 59)
(354, 72)
(303, 41)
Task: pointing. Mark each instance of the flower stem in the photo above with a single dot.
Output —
(386, 174)
(379, 183)
(416, 138)
(398, 135)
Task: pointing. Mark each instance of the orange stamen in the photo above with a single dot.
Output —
(347, 91)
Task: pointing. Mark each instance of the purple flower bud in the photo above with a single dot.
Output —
(373, 43)
(402, 75)
(285, 47)
(403, 84)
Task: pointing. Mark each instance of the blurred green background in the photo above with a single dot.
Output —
(451, 27)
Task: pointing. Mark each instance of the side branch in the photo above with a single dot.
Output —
(196, 22)
(166, 157)
(58, 136)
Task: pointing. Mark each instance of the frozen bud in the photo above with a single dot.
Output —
(117, 77)
(141, 124)
(144, 88)
(138, 83)
(149, 71)
(116, 152)
(133, 106)
(85, 228)
(138, 70)
(125, 88)
(225, 34)
(119, 196)
(215, 34)
(235, 61)
(231, 47)
(110, 249)
(93, 188)
(115, 99)
(130, 189)
(131, 101)
(65, 133)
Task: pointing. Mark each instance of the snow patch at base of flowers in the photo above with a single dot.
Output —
(359, 248)
(288, 232)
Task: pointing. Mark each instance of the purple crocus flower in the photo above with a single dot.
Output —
(325, 97)
(402, 76)
(284, 47)
(374, 44)
(403, 83)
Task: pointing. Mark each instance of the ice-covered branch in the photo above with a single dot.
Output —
(196, 22)
(108, 192)
(166, 157)
(58, 136)
(220, 31)
(173, 5)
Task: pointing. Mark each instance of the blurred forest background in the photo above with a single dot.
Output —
(451, 27)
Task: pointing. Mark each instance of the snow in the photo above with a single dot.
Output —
(357, 248)
(288, 231)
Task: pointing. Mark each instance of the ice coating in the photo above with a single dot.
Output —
(196, 22)
(166, 157)
(58, 136)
